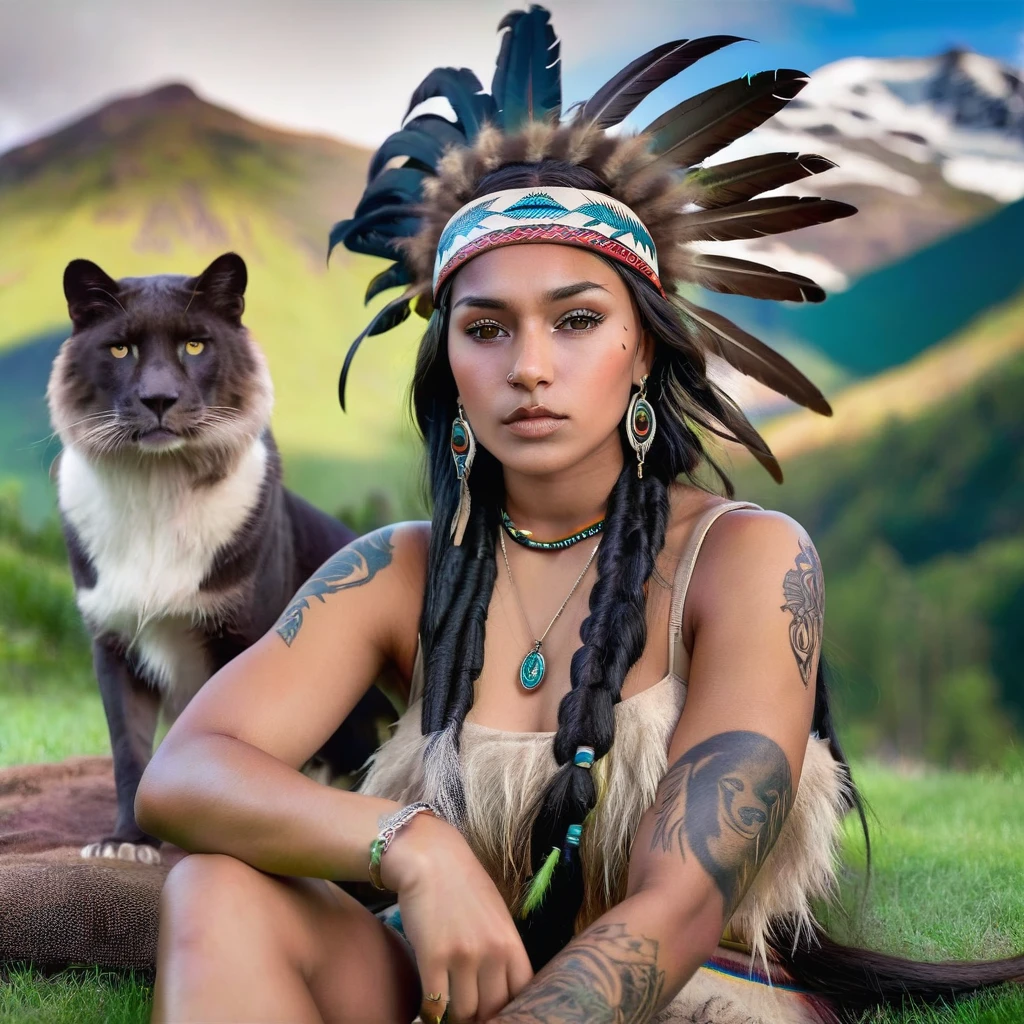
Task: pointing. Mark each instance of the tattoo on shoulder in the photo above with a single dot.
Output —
(606, 976)
(804, 590)
(727, 798)
(353, 566)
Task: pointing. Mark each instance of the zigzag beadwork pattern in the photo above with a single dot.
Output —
(564, 233)
(558, 214)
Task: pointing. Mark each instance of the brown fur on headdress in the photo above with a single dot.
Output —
(625, 163)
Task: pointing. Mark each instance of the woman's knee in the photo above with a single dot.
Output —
(209, 899)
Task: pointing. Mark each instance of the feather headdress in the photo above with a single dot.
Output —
(656, 173)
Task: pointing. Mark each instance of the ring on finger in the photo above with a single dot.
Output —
(434, 1018)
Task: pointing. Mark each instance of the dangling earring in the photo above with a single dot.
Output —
(463, 452)
(640, 425)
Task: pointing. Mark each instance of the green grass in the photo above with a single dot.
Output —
(947, 864)
(81, 996)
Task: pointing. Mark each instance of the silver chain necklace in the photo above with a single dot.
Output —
(531, 671)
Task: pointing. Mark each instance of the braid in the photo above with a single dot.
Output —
(614, 635)
(460, 580)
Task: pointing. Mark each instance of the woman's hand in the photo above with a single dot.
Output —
(467, 946)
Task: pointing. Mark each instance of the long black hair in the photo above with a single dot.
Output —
(460, 583)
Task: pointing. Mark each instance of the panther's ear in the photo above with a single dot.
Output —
(91, 293)
(221, 286)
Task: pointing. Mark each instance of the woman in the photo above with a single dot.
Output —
(628, 829)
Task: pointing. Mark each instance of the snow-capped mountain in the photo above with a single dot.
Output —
(924, 146)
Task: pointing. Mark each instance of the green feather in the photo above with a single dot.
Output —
(540, 882)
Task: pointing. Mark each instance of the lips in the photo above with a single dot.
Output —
(532, 412)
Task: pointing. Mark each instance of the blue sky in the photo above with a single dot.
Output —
(347, 67)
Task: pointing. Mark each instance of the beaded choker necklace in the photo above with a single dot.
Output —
(525, 538)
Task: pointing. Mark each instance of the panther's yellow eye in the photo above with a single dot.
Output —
(119, 351)
(193, 348)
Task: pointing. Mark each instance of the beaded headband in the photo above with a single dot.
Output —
(568, 216)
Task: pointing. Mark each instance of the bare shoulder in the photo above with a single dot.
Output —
(688, 504)
(388, 564)
(756, 552)
(754, 533)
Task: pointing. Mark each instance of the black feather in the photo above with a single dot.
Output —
(705, 123)
(374, 233)
(408, 143)
(527, 83)
(404, 184)
(757, 217)
(753, 357)
(393, 277)
(744, 277)
(440, 128)
(464, 92)
(622, 93)
(732, 182)
(390, 316)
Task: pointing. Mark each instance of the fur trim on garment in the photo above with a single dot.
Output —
(502, 772)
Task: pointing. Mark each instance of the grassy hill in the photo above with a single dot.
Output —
(907, 391)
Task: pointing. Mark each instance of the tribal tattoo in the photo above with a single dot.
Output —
(604, 976)
(727, 798)
(353, 566)
(804, 591)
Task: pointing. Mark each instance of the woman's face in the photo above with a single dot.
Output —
(560, 321)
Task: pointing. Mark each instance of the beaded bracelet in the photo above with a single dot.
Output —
(389, 824)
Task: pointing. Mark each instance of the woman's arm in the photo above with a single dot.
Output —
(225, 777)
(734, 764)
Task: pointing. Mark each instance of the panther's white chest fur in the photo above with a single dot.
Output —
(152, 538)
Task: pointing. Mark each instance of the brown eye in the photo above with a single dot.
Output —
(580, 321)
(119, 351)
(193, 348)
(484, 331)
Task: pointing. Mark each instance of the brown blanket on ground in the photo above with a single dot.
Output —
(56, 907)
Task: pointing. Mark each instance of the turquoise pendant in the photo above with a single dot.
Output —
(531, 672)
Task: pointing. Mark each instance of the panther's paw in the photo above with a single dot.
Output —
(141, 853)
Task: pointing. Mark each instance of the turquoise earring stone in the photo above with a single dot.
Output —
(531, 672)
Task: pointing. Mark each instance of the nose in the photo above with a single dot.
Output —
(534, 363)
(158, 403)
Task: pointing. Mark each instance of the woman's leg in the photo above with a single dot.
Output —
(237, 944)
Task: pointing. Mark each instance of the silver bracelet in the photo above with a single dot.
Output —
(389, 824)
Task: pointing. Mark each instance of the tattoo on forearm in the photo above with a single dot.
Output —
(804, 591)
(351, 567)
(605, 976)
(727, 798)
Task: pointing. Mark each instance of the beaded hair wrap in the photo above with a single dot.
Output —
(424, 211)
